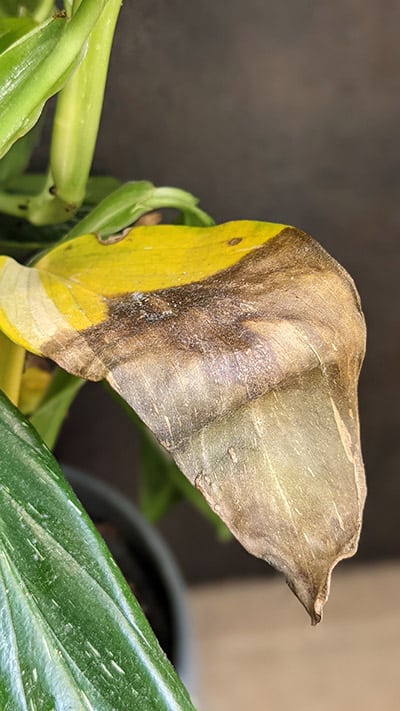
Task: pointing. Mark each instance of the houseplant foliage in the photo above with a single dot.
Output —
(238, 345)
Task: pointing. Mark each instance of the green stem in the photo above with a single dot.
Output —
(12, 358)
(78, 112)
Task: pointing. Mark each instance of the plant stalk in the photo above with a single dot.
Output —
(12, 358)
(78, 112)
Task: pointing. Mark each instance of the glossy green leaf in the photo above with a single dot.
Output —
(73, 637)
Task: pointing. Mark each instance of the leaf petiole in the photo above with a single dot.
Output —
(12, 358)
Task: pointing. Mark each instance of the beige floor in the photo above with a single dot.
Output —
(257, 651)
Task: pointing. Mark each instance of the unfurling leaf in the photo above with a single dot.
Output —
(240, 347)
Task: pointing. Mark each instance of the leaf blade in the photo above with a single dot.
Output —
(66, 597)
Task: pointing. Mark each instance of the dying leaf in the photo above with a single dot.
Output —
(240, 347)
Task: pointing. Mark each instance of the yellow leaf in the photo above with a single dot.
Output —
(240, 347)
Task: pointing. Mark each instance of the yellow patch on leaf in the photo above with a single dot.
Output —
(152, 258)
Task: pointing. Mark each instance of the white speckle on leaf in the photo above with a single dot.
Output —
(233, 455)
(106, 671)
(32, 508)
(71, 503)
(87, 702)
(93, 649)
(339, 518)
(46, 646)
(117, 667)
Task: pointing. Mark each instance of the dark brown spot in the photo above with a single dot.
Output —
(234, 241)
(52, 190)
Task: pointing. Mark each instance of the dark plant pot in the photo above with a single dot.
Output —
(145, 562)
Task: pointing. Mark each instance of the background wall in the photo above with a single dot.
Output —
(287, 112)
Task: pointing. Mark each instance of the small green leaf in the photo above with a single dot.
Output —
(133, 200)
(73, 637)
(50, 415)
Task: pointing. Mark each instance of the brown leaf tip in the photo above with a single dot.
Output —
(312, 589)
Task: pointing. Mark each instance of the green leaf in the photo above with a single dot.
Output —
(22, 93)
(49, 416)
(73, 637)
(35, 67)
(130, 201)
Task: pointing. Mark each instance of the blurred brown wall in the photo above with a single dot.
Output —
(286, 112)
